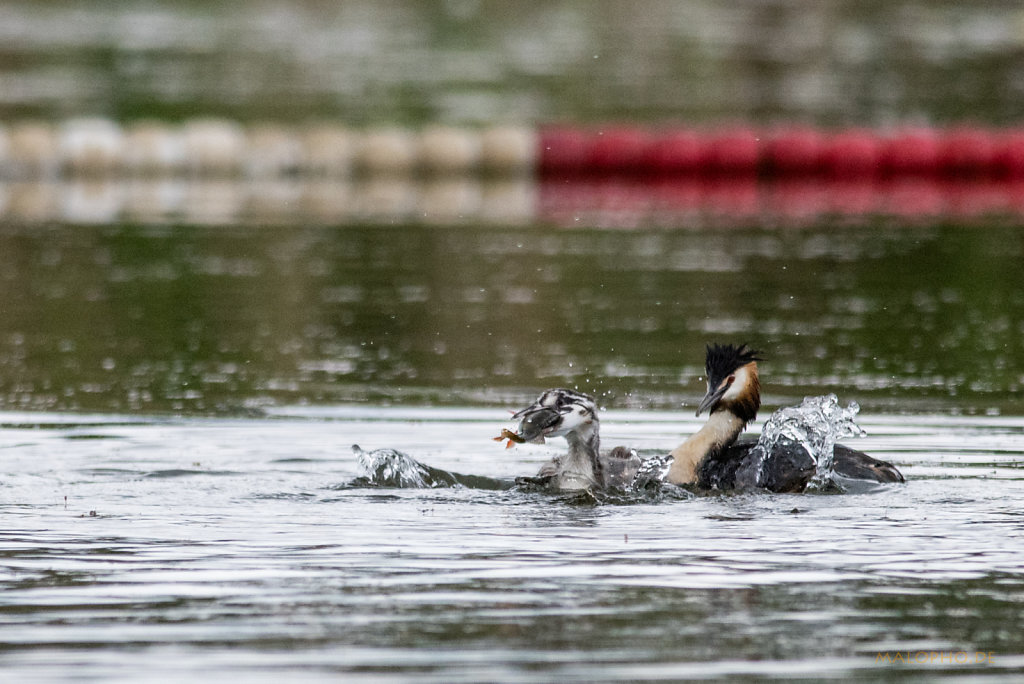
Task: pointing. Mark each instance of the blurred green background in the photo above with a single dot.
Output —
(371, 61)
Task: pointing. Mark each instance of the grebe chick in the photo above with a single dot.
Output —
(713, 459)
(573, 415)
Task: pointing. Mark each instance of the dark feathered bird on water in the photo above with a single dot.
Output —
(713, 458)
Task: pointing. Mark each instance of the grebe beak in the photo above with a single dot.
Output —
(712, 398)
(537, 422)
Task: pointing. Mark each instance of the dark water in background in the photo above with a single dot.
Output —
(461, 61)
(227, 319)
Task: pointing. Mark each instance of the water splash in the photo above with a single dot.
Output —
(391, 468)
(652, 471)
(815, 425)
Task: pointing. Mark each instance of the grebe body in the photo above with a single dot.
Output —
(714, 459)
(789, 468)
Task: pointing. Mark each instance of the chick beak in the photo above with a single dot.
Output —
(537, 421)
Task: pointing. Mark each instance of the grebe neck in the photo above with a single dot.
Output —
(721, 430)
(581, 467)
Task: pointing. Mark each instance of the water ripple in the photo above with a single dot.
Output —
(279, 554)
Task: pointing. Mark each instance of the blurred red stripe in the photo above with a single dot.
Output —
(624, 202)
(962, 151)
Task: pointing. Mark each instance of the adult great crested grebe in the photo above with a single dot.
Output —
(714, 459)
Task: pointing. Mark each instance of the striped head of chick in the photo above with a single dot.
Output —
(555, 413)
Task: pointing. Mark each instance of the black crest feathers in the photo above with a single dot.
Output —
(723, 359)
(721, 362)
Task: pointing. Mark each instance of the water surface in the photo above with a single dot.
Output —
(229, 319)
(142, 550)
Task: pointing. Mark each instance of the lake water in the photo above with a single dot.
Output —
(142, 549)
(226, 319)
(179, 403)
